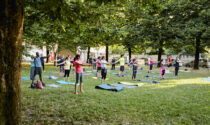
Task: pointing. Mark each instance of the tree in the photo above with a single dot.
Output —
(11, 29)
(192, 19)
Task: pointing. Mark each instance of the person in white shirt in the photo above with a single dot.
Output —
(103, 69)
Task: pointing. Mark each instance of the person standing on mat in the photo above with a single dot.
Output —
(150, 65)
(61, 65)
(122, 65)
(42, 60)
(67, 68)
(79, 73)
(98, 67)
(94, 63)
(103, 69)
(113, 63)
(162, 69)
(177, 61)
(135, 68)
(38, 68)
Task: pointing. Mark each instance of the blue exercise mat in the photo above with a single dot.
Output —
(107, 87)
(53, 85)
(25, 78)
(66, 83)
(121, 85)
(146, 76)
(206, 79)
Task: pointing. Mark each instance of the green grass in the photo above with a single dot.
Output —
(183, 100)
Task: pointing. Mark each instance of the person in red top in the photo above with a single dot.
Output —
(79, 72)
(169, 62)
(99, 67)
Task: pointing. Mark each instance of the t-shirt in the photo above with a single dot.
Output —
(37, 62)
(61, 61)
(98, 63)
(151, 62)
(78, 67)
(67, 65)
(122, 61)
(177, 64)
(103, 65)
(169, 59)
(32, 64)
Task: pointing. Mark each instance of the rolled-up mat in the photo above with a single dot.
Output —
(87, 74)
(131, 84)
(123, 86)
(107, 87)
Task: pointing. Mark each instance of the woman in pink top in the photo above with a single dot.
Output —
(79, 72)
(99, 67)
(150, 65)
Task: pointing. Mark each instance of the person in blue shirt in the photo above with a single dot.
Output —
(38, 67)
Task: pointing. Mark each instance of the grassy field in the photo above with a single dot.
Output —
(182, 100)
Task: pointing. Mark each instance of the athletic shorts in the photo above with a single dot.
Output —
(79, 77)
(103, 73)
(150, 66)
(169, 65)
(122, 68)
(38, 70)
(67, 72)
(98, 68)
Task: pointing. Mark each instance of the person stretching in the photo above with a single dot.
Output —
(98, 67)
(103, 69)
(67, 68)
(162, 69)
(135, 68)
(177, 61)
(122, 63)
(150, 65)
(38, 68)
(79, 73)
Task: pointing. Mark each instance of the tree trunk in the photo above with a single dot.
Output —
(160, 53)
(107, 52)
(48, 53)
(11, 28)
(129, 53)
(88, 54)
(197, 52)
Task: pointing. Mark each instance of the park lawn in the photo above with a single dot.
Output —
(183, 100)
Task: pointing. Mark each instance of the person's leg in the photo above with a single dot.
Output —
(102, 75)
(176, 71)
(81, 81)
(34, 75)
(43, 66)
(77, 79)
(105, 76)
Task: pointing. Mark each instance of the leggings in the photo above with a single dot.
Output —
(113, 66)
(103, 73)
(43, 66)
(134, 74)
(176, 71)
